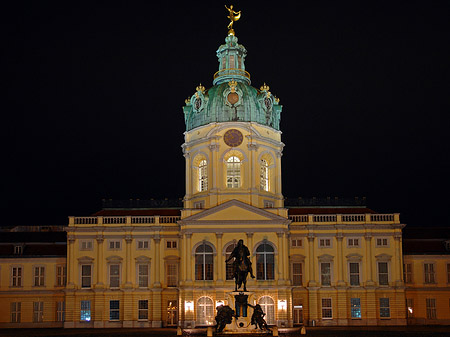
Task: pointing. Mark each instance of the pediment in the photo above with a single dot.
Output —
(234, 211)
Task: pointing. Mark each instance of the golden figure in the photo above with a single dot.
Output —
(234, 16)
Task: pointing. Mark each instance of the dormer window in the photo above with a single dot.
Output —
(18, 250)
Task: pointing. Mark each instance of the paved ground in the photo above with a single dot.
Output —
(410, 331)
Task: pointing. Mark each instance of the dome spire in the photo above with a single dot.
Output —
(233, 16)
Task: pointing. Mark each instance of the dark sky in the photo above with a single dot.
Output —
(94, 90)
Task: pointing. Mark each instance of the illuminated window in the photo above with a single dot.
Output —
(355, 305)
(16, 312)
(204, 262)
(385, 310)
(327, 309)
(143, 310)
(85, 311)
(202, 175)
(409, 307)
(429, 273)
(205, 311)
(268, 307)
(264, 175)
(233, 172)
(114, 310)
(265, 262)
(172, 312)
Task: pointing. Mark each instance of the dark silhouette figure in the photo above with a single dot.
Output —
(241, 265)
(258, 317)
(224, 316)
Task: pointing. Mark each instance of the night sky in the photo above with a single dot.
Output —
(94, 91)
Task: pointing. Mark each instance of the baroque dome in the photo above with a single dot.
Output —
(232, 98)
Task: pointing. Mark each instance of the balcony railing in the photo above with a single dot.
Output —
(346, 218)
(231, 72)
(122, 220)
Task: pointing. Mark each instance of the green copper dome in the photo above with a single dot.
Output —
(232, 98)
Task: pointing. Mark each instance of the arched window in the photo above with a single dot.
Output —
(268, 307)
(265, 262)
(264, 175)
(229, 267)
(204, 262)
(202, 175)
(205, 311)
(233, 172)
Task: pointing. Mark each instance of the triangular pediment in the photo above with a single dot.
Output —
(234, 211)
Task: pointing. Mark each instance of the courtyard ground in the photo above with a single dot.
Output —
(409, 331)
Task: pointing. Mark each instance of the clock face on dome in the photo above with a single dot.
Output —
(233, 137)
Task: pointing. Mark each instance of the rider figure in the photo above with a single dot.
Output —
(241, 253)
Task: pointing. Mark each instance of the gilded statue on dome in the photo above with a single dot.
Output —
(233, 16)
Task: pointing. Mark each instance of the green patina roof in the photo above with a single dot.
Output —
(232, 98)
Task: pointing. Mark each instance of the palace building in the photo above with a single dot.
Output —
(324, 262)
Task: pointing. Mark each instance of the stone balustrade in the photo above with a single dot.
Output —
(122, 220)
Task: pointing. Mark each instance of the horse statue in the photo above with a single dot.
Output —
(241, 265)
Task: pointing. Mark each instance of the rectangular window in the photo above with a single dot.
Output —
(143, 275)
(61, 275)
(409, 307)
(60, 311)
(382, 242)
(38, 311)
(86, 275)
(16, 312)
(353, 243)
(143, 244)
(355, 306)
(385, 311)
(431, 308)
(324, 243)
(143, 310)
(38, 276)
(85, 311)
(429, 273)
(448, 272)
(114, 275)
(172, 274)
(296, 243)
(114, 244)
(354, 273)
(297, 274)
(18, 250)
(171, 244)
(114, 310)
(327, 310)
(383, 273)
(85, 244)
(16, 276)
(407, 272)
(325, 273)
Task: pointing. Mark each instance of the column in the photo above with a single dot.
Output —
(188, 257)
(398, 259)
(311, 257)
(220, 258)
(128, 282)
(71, 262)
(281, 258)
(369, 259)
(100, 272)
(286, 256)
(339, 260)
(157, 262)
